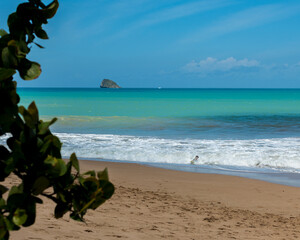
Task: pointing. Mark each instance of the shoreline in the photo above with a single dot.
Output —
(155, 203)
(264, 174)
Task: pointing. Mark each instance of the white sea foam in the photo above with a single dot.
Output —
(280, 153)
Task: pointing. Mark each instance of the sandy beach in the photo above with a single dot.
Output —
(152, 203)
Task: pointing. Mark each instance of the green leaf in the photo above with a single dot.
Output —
(9, 58)
(23, 48)
(55, 141)
(15, 190)
(29, 70)
(99, 201)
(44, 126)
(61, 196)
(3, 228)
(10, 225)
(40, 33)
(10, 164)
(39, 142)
(18, 48)
(37, 200)
(50, 10)
(103, 175)
(76, 217)
(91, 184)
(51, 161)
(108, 189)
(32, 109)
(91, 173)
(13, 19)
(27, 117)
(51, 146)
(15, 201)
(6, 73)
(58, 166)
(2, 32)
(74, 161)
(3, 189)
(30, 211)
(31, 116)
(2, 203)
(20, 217)
(60, 210)
(41, 184)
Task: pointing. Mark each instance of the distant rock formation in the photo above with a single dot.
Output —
(106, 83)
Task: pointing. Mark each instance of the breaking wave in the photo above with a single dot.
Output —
(279, 153)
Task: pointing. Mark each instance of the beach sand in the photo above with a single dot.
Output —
(152, 203)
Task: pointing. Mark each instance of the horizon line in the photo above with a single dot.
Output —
(159, 88)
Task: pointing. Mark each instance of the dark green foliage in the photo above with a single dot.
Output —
(32, 152)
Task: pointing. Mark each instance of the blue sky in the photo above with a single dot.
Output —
(164, 43)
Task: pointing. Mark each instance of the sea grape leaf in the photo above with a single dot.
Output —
(62, 197)
(15, 201)
(60, 210)
(12, 21)
(91, 184)
(27, 117)
(108, 189)
(75, 216)
(6, 73)
(103, 175)
(2, 32)
(58, 166)
(40, 33)
(10, 165)
(2, 203)
(50, 10)
(98, 201)
(30, 211)
(32, 109)
(15, 190)
(91, 173)
(20, 217)
(37, 200)
(74, 161)
(44, 126)
(29, 70)
(3, 189)
(8, 58)
(10, 225)
(30, 139)
(3, 228)
(40, 185)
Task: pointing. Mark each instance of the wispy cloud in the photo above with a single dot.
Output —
(99, 15)
(245, 19)
(170, 12)
(212, 65)
(182, 10)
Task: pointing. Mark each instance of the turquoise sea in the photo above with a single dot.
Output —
(237, 131)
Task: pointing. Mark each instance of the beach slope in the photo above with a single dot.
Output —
(152, 203)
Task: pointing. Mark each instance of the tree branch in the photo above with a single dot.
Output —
(50, 197)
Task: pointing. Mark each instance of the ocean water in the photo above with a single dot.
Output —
(232, 128)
